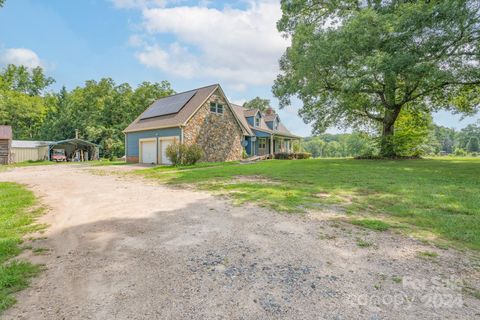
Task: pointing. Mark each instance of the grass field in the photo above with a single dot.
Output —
(436, 199)
(17, 218)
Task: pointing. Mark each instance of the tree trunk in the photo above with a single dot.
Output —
(387, 145)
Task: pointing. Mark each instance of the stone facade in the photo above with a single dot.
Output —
(219, 135)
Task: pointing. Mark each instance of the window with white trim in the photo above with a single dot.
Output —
(216, 107)
(257, 121)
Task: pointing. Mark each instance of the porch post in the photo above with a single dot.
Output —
(271, 144)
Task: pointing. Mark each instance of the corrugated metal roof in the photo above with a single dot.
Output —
(74, 141)
(6, 132)
(29, 144)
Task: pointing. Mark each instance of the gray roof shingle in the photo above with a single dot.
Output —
(175, 119)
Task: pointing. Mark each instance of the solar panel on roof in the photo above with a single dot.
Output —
(168, 105)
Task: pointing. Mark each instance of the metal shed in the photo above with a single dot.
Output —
(5, 144)
(76, 149)
(23, 150)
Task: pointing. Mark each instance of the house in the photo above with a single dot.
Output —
(5, 144)
(205, 117)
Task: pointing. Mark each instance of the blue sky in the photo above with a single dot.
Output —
(189, 43)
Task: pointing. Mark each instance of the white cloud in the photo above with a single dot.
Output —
(232, 46)
(175, 60)
(136, 40)
(20, 56)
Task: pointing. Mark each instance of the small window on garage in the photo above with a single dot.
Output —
(216, 107)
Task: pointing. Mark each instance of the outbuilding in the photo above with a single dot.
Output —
(23, 150)
(5, 144)
(75, 149)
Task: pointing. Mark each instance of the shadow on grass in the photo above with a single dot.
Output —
(438, 196)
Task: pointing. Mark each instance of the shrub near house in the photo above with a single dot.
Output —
(181, 154)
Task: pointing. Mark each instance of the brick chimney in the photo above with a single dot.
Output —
(269, 111)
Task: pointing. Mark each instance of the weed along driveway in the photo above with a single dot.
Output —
(127, 248)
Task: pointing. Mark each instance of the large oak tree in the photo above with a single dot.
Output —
(361, 62)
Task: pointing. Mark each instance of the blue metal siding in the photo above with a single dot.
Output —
(269, 124)
(133, 137)
(248, 148)
(250, 121)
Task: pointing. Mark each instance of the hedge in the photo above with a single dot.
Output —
(292, 155)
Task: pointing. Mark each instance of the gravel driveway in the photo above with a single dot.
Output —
(125, 248)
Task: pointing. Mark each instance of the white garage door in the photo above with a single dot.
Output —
(165, 144)
(149, 152)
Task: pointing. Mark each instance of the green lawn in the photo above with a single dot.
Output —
(438, 199)
(17, 218)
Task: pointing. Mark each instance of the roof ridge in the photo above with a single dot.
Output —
(176, 94)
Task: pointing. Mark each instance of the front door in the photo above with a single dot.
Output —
(262, 146)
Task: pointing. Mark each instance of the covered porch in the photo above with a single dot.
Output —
(269, 144)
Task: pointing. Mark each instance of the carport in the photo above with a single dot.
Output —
(76, 149)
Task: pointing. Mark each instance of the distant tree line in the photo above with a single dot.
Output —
(437, 140)
(100, 110)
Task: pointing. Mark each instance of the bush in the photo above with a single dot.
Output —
(303, 155)
(292, 155)
(181, 154)
(284, 156)
(192, 155)
(459, 152)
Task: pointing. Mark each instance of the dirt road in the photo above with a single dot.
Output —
(123, 248)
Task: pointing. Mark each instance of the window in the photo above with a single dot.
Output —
(257, 121)
(216, 107)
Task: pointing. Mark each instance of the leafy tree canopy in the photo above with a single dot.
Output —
(358, 62)
(22, 104)
(22, 79)
(473, 145)
(100, 110)
(257, 103)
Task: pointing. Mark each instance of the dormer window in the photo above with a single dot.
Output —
(257, 121)
(216, 107)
